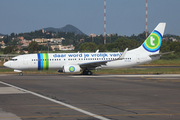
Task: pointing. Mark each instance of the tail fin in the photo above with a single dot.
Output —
(153, 42)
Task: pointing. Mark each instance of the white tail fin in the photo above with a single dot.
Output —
(153, 42)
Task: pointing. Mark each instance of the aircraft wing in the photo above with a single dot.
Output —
(93, 64)
(99, 63)
(161, 54)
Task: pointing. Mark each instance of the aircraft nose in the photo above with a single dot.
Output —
(6, 64)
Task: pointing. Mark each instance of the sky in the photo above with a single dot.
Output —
(124, 17)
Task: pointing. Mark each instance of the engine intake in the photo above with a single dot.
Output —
(71, 68)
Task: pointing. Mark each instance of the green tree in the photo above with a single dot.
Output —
(33, 47)
(7, 50)
(164, 47)
(174, 46)
(123, 43)
(101, 47)
(12, 34)
(10, 49)
(110, 46)
(88, 47)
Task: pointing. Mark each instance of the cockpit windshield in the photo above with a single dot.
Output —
(13, 60)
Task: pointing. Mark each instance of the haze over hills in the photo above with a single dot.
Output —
(1, 34)
(67, 28)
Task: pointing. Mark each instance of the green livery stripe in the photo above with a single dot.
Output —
(47, 61)
(43, 61)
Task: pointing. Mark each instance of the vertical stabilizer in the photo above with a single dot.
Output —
(153, 42)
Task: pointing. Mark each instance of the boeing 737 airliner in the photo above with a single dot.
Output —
(75, 62)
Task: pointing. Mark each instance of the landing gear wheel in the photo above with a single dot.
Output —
(87, 72)
(21, 74)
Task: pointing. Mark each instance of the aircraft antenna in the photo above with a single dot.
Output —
(104, 21)
(146, 18)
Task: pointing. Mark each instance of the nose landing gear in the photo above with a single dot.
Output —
(19, 71)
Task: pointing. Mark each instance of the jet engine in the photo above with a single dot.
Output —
(71, 68)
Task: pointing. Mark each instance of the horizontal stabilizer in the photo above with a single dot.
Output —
(161, 54)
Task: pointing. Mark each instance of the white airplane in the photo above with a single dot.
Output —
(76, 62)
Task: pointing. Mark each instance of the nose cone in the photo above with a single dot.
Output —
(6, 64)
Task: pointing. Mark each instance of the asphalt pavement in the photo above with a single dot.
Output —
(80, 97)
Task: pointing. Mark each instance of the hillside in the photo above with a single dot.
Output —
(67, 28)
(1, 34)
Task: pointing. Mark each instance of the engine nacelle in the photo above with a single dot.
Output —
(71, 68)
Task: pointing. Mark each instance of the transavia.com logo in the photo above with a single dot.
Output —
(153, 42)
(71, 68)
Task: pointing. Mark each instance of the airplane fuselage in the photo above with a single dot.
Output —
(75, 62)
(46, 61)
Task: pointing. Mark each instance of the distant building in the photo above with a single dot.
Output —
(68, 47)
(39, 40)
(25, 45)
(2, 43)
(109, 35)
(173, 39)
(81, 40)
(25, 41)
(55, 40)
(43, 30)
(20, 38)
(1, 36)
(44, 44)
(3, 46)
(61, 47)
(46, 32)
(55, 47)
(92, 35)
(165, 39)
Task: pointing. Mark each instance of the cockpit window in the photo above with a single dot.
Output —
(13, 59)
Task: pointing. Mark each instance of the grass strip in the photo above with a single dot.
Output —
(105, 71)
(160, 62)
(140, 71)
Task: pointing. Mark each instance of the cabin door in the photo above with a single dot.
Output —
(138, 58)
(25, 60)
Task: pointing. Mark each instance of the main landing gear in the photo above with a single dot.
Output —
(20, 74)
(87, 72)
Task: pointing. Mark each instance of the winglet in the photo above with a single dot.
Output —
(124, 53)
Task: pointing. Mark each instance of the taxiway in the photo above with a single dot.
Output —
(79, 97)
